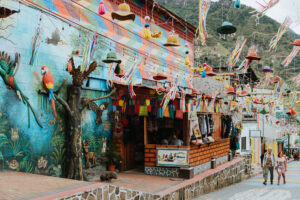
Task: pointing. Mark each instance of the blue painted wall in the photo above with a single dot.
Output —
(35, 149)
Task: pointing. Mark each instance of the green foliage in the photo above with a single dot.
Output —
(112, 155)
(218, 50)
(58, 155)
(26, 166)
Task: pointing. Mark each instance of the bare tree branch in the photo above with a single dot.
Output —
(60, 87)
(64, 104)
(87, 101)
(91, 68)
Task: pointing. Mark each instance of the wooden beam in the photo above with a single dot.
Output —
(145, 131)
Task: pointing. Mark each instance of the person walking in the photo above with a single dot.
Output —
(281, 169)
(269, 162)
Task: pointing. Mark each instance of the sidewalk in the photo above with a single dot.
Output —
(17, 185)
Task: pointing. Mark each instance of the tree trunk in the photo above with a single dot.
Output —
(74, 152)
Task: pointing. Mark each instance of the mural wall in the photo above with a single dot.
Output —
(43, 40)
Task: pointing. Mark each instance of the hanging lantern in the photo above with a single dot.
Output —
(147, 33)
(159, 76)
(187, 59)
(226, 28)
(172, 40)
(123, 13)
(203, 75)
(101, 10)
(237, 4)
(226, 86)
(117, 69)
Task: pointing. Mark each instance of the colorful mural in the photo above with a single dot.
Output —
(24, 144)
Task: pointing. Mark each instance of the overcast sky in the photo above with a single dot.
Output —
(282, 9)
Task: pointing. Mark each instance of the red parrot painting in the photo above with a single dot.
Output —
(48, 83)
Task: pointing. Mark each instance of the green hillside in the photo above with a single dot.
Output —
(217, 50)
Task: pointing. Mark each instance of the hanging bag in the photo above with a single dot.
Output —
(179, 114)
(166, 112)
(143, 111)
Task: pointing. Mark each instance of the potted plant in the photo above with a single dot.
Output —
(111, 157)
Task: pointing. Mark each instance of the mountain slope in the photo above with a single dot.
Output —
(217, 50)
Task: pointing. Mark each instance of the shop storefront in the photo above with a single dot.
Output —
(173, 142)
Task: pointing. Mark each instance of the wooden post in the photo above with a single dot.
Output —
(186, 130)
(145, 131)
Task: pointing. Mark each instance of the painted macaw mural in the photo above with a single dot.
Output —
(36, 49)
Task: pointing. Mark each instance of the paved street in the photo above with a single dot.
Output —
(253, 189)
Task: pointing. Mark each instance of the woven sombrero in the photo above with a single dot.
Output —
(172, 41)
(253, 56)
(123, 13)
(296, 42)
(159, 76)
(209, 71)
(111, 57)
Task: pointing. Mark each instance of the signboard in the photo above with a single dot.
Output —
(254, 133)
(172, 157)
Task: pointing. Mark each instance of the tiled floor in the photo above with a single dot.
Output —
(17, 185)
(141, 182)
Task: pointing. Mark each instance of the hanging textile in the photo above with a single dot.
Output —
(35, 43)
(204, 6)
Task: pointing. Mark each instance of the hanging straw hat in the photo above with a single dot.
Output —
(267, 69)
(226, 28)
(296, 43)
(111, 57)
(161, 89)
(291, 112)
(159, 76)
(208, 97)
(194, 92)
(263, 111)
(209, 71)
(243, 93)
(230, 90)
(253, 56)
(172, 41)
(123, 13)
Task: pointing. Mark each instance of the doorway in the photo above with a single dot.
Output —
(133, 140)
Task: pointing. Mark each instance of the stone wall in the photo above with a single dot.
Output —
(231, 174)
